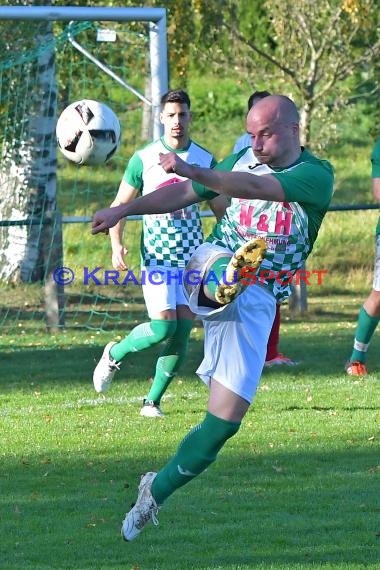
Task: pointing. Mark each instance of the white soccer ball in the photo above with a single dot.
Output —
(88, 132)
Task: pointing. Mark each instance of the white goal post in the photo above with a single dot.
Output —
(155, 17)
(32, 247)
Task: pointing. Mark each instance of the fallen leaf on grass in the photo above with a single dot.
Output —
(278, 469)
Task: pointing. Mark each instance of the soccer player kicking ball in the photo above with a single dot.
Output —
(280, 200)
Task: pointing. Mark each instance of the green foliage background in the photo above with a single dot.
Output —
(204, 62)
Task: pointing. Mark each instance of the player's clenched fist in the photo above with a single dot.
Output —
(106, 218)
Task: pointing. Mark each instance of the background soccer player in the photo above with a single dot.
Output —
(168, 240)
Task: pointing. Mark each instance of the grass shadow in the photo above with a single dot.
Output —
(286, 517)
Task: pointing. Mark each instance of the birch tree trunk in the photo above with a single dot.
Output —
(28, 166)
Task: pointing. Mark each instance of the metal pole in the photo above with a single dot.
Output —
(158, 71)
(79, 13)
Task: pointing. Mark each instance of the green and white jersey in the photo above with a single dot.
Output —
(290, 228)
(375, 160)
(167, 239)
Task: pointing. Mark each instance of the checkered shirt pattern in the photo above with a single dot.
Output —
(287, 248)
(171, 239)
(167, 239)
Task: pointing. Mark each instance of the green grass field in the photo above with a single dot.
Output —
(297, 488)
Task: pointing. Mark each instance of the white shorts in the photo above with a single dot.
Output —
(376, 277)
(236, 339)
(162, 288)
(194, 274)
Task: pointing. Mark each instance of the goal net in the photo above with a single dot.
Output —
(52, 271)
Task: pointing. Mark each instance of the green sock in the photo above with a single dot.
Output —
(196, 452)
(364, 330)
(143, 336)
(170, 360)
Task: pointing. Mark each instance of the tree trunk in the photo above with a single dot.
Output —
(28, 169)
(305, 122)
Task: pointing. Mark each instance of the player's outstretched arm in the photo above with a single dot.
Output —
(166, 199)
(233, 184)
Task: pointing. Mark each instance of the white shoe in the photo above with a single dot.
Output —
(105, 370)
(151, 410)
(144, 510)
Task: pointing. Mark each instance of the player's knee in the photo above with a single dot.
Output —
(163, 329)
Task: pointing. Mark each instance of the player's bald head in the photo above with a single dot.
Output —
(275, 108)
(273, 125)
